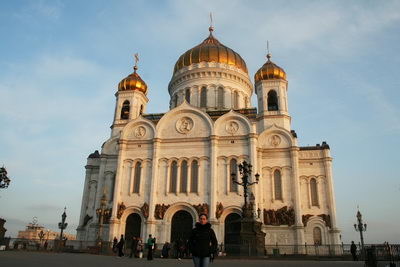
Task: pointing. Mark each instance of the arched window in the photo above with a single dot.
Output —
(235, 100)
(272, 100)
(194, 176)
(278, 185)
(233, 169)
(136, 181)
(175, 101)
(173, 177)
(314, 192)
(125, 110)
(220, 98)
(203, 97)
(184, 176)
(187, 95)
(141, 110)
(317, 236)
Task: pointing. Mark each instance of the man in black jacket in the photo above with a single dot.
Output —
(202, 242)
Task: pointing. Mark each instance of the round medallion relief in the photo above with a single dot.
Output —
(184, 125)
(275, 140)
(140, 132)
(232, 127)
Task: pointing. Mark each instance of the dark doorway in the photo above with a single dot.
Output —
(232, 229)
(132, 228)
(181, 226)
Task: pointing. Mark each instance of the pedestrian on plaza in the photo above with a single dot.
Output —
(181, 249)
(115, 242)
(139, 248)
(203, 242)
(150, 247)
(165, 250)
(120, 246)
(133, 247)
(353, 251)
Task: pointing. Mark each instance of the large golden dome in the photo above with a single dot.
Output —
(133, 82)
(269, 71)
(210, 50)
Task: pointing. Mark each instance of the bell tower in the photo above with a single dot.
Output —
(271, 88)
(131, 99)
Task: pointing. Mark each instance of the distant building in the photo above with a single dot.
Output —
(32, 232)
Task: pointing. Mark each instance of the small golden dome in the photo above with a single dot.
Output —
(269, 71)
(133, 82)
(210, 50)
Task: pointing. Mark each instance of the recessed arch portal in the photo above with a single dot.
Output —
(181, 226)
(132, 227)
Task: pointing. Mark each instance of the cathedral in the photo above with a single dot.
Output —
(157, 172)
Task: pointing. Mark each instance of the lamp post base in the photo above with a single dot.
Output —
(251, 239)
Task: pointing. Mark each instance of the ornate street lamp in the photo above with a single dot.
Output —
(360, 227)
(62, 225)
(102, 213)
(41, 235)
(251, 239)
(245, 171)
(4, 180)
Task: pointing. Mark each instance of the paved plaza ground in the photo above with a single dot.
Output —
(38, 259)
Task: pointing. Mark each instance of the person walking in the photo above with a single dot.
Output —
(139, 248)
(353, 251)
(115, 242)
(133, 247)
(120, 246)
(202, 242)
(150, 246)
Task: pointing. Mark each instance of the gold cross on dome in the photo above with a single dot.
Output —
(136, 59)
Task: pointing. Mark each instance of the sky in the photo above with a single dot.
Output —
(61, 61)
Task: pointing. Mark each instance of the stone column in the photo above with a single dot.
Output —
(152, 194)
(253, 161)
(335, 232)
(85, 195)
(299, 227)
(100, 185)
(213, 178)
(114, 221)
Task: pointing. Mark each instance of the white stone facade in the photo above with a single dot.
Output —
(196, 142)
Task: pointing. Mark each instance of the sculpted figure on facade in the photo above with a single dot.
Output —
(219, 210)
(140, 132)
(86, 219)
(120, 211)
(327, 219)
(184, 125)
(282, 216)
(201, 208)
(232, 127)
(145, 210)
(160, 210)
(305, 218)
(275, 140)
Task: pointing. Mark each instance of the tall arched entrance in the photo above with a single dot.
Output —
(232, 231)
(181, 226)
(132, 228)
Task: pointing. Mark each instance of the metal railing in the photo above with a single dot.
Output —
(377, 252)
